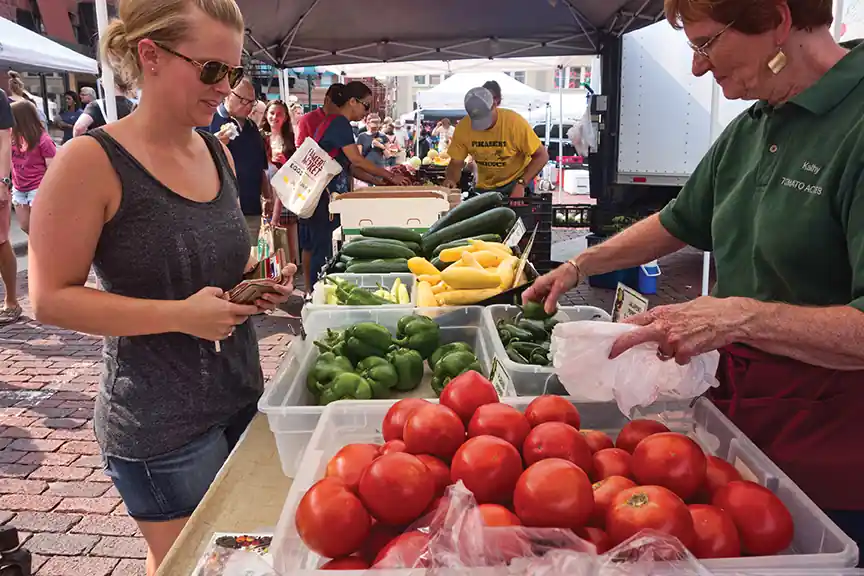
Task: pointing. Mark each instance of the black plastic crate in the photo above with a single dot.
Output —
(572, 215)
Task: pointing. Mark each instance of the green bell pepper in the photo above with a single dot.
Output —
(405, 321)
(421, 334)
(409, 367)
(532, 310)
(380, 374)
(453, 365)
(326, 368)
(366, 339)
(447, 349)
(535, 327)
(333, 341)
(346, 386)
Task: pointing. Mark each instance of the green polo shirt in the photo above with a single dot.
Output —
(779, 198)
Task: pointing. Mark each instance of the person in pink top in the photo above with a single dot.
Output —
(32, 152)
(311, 120)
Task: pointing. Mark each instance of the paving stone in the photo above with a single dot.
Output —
(120, 547)
(6, 516)
(48, 458)
(58, 473)
(107, 526)
(9, 456)
(18, 486)
(20, 502)
(77, 489)
(36, 445)
(25, 432)
(75, 447)
(45, 521)
(78, 566)
(88, 505)
(130, 568)
(16, 470)
(51, 544)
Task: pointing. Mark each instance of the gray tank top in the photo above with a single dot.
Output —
(162, 391)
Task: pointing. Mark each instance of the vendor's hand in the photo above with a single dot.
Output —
(683, 331)
(267, 207)
(553, 285)
(209, 315)
(283, 291)
(399, 180)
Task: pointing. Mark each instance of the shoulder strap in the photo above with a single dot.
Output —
(218, 151)
(322, 128)
(99, 104)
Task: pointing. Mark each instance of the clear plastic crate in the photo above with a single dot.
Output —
(818, 542)
(526, 379)
(368, 281)
(290, 407)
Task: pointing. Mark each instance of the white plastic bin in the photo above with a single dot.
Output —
(368, 281)
(527, 379)
(818, 542)
(290, 408)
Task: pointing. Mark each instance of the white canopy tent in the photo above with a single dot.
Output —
(447, 67)
(450, 94)
(26, 50)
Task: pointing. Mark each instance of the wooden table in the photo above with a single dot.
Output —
(246, 496)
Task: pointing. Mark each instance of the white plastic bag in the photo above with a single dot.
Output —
(580, 355)
(582, 135)
(300, 182)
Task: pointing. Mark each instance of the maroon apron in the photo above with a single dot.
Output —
(808, 420)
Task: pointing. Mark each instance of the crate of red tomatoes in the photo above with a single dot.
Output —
(375, 472)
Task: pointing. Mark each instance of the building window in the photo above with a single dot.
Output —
(573, 76)
(434, 79)
(420, 80)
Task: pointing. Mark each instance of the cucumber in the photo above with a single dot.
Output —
(464, 242)
(471, 207)
(379, 266)
(496, 221)
(375, 249)
(440, 265)
(410, 245)
(393, 232)
(344, 259)
(339, 266)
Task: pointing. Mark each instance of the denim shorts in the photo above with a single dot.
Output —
(171, 485)
(23, 198)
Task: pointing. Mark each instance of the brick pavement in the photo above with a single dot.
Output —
(51, 484)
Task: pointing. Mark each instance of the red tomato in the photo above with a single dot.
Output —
(467, 392)
(489, 467)
(502, 421)
(634, 431)
(346, 563)
(439, 471)
(496, 515)
(557, 440)
(392, 446)
(763, 521)
(331, 520)
(648, 507)
(435, 430)
(396, 489)
(595, 536)
(718, 473)
(597, 440)
(350, 462)
(551, 408)
(396, 416)
(604, 492)
(611, 462)
(553, 493)
(716, 534)
(379, 536)
(404, 551)
(671, 460)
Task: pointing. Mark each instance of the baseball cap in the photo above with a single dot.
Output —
(478, 104)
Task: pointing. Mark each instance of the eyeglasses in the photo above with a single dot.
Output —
(702, 49)
(366, 105)
(244, 101)
(212, 71)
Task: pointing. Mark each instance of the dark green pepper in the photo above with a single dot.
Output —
(405, 321)
(409, 368)
(453, 365)
(447, 349)
(535, 327)
(513, 332)
(532, 310)
(540, 357)
(422, 335)
(515, 356)
(380, 374)
(346, 386)
(327, 367)
(361, 297)
(526, 349)
(550, 323)
(366, 339)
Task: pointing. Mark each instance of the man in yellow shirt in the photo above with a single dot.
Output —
(508, 153)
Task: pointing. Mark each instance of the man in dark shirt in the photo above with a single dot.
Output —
(247, 148)
(94, 113)
(373, 142)
(8, 266)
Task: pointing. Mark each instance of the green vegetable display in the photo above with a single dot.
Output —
(452, 365)
(495, 221)
(447, 349)
(366, 339)
(396, 233)
(333, 341)
(377, 249)
(532, 310)
(471, 207)
(347, 386)
(465, 242)
(378, 266)
(419, 333)
(527, 340)
(327, 367)
(380, 374)
(409, 368)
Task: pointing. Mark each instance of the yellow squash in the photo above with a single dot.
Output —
(492, 246)
(420, 266)
(439, 287)
(506, 271)
(454, 254)
(487, 258)
(469, 261)
(466, 297)
(425, 297)
(467, 278)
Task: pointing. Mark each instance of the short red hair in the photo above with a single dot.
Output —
(750, 16)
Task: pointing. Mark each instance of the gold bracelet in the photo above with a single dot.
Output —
(572, 262)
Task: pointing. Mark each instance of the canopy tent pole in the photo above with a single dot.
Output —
(548, 122)
(837, 26)
(418, 129)
(107, 73)
(561, 130)
(712, 135)
(281, 77)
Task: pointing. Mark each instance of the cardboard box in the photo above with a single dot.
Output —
(414, 207)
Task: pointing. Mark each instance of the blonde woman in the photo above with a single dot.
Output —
(156, 213)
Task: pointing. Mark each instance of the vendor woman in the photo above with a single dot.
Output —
(336, 137)
(779, 200)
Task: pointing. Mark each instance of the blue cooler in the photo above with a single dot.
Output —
(648, 278)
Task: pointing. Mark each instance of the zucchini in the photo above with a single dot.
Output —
(464, 242)
(471, 207)
(496, 221)
(379, 266)
(413, 246)
(344, 259)
(393, 232)
(339, 266)
(436, 262)
(375, 249)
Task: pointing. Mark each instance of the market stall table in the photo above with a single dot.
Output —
(247, 495)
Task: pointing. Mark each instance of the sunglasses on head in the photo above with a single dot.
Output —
(212, 71)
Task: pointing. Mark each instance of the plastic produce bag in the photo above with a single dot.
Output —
(580, 355)
(582, 135)
(300, 182)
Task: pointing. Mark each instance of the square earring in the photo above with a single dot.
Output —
(778, 62)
